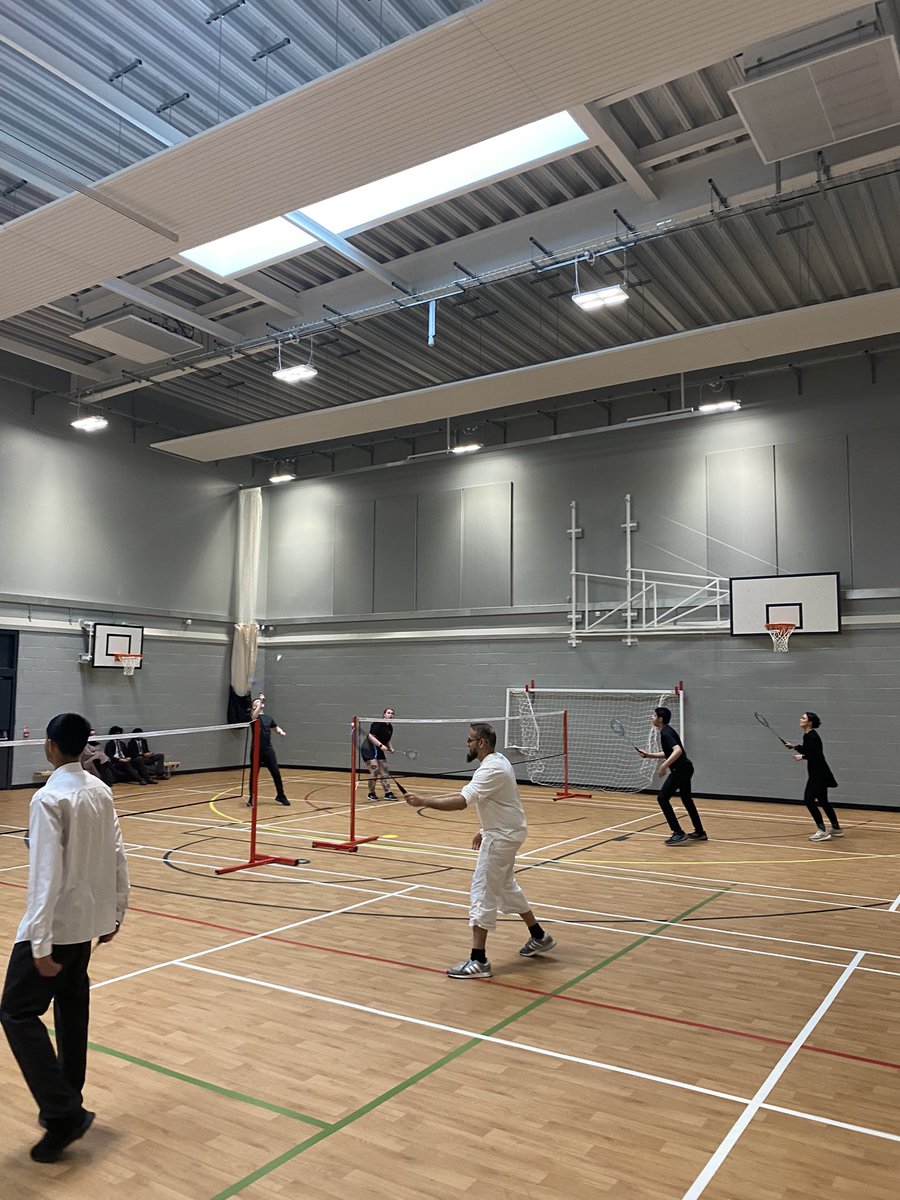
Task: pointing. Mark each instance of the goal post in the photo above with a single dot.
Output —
(602, 728)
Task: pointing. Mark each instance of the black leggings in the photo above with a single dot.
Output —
(816, 797)
(679, 782)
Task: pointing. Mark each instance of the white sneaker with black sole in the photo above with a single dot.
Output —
(471, 969)
(538, 946)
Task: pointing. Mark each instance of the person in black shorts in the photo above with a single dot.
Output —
(372, 751)
(680, 772)
(819, 778)
(267, 726)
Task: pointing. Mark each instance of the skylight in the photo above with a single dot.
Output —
(249, 248)
(375, 202)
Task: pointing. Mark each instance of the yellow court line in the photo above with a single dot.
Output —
(833, 860)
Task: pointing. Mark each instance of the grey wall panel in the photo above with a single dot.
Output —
(741, 511)
(354, 556)
(439, 550)
(395, 554)
(875, 501)
(105, 521)
(812, 506)
(300, 552)
(487, 546)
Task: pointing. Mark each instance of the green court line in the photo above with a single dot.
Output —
(210, 1087)
(405, 1084)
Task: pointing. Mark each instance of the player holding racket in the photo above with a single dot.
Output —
(372, 751)
(819, 778)
(680, 770)
(495, 793)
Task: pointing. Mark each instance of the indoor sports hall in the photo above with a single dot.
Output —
(375, 371)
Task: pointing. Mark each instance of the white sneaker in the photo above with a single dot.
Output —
(837, 832)
(821, 835)
(538, 946)
(470, 969)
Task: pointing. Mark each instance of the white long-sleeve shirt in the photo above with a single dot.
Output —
(78, 877)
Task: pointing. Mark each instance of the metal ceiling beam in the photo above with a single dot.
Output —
(168, 307)
(611, 139)
(346, 249)
(32, 173)
(49, 359)
(44, 56)
(691, 141)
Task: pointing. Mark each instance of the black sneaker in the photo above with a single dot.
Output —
(371, 796)
(50, 1147)
(250, 803)
(389, 796)
(677, 839)
(697, 837)
(283, 800)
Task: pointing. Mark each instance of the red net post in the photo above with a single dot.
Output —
(353, 842)
(255, 860)
(565, 794)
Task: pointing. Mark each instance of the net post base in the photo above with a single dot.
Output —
(567, 795)
(348, 847)
(262, 861)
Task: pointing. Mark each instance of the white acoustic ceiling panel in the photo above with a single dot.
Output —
(835, 98)
(135, 339)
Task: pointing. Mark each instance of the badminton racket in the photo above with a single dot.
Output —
(762, 720)
(619, 729)
(412, 755)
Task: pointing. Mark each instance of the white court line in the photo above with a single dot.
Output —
(582, 836)
(183, 959)
(18, 867)
(794, 1112)
(895, 906)
(469, 1034)
(699, 1185)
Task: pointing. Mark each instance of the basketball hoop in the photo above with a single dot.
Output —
(128, 661)
(780, 633)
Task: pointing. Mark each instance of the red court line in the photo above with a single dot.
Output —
(516, 987)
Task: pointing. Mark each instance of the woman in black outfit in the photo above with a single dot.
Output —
(820, 778)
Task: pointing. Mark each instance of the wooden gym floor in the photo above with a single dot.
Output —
(718, 1020)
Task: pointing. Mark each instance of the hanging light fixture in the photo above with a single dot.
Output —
(89, 422)
(282, 473)
(603, 297)
(299, 373)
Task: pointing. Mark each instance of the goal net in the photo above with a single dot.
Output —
(603, 729)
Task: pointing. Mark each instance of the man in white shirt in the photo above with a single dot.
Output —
(77, 891)
(495, 794)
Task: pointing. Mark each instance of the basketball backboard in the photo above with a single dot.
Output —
(110, 640)
(809, 602)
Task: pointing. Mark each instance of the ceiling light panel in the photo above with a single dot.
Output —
(249, 248)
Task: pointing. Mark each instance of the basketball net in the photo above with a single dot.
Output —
(128, 661)
(780, 633)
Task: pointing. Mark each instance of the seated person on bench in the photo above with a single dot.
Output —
(139, 748)
(125, 768)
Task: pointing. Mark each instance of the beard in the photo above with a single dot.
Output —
(471, 756)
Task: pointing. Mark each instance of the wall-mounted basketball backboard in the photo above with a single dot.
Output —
(110, 640)
(811, 603)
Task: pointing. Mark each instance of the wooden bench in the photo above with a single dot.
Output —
(172, 767)
(41, 776)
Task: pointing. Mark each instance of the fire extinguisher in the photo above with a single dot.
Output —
(26, 732)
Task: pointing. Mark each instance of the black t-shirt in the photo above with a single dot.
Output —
(382, 732)
(266, 725)
(669, 739)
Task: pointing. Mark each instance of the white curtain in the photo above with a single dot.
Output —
(246, 632)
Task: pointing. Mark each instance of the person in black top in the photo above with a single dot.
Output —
(819, 778)
(139, 747)
(680, 771)
(125, 768)
(267, 726)
(372, 750)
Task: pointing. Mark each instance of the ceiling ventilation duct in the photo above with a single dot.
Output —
(814, 104)
(134, 338)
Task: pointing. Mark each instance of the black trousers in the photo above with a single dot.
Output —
(680, 782)
(816, 796)
(268, 760)
(55, 1077)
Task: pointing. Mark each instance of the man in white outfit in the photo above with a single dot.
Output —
(495, 794)
(77, 891)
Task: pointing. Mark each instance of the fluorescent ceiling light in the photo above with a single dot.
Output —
(248, 248)
(470, 448)
(375, 202)
(675, 415)
(90, 423)
(454, 172)
(720, 406)
(295, 374)
(600, 297)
